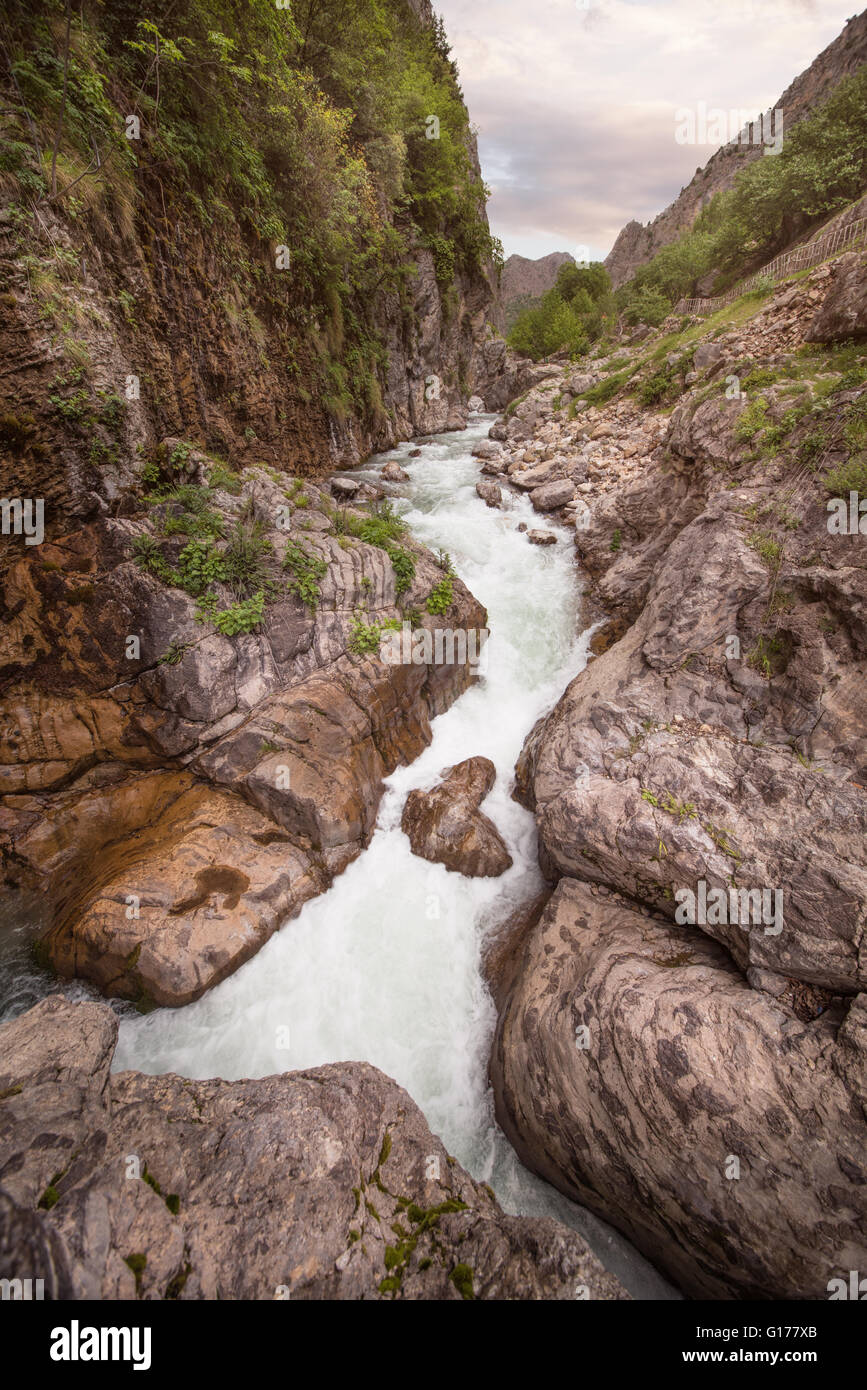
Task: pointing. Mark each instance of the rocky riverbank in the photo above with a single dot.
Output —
(700, 1079)
(183, 766)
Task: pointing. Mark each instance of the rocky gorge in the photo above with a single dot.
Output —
(377, 693)
(708, 1072)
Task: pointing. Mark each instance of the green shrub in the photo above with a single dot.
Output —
(659, 386)
(440, 598)
(199, 566)
(308, 569)
(751, 420)
(403, 564)
(238, 618)
(848, 477)
(364, 637)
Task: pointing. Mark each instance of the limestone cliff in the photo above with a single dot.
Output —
(637, 244)
(284, 282)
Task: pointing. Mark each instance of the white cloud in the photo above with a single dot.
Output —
(575, 107)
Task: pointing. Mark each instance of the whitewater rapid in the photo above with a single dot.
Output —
(385, 966)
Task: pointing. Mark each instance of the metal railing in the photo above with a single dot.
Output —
(811, 253)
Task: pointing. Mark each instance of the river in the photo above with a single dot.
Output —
(385, 966)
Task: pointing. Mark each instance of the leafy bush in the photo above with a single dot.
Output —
(199, 566)
(662, 384)
(364, 637)
(308, 569)
(440, 598)
(403, 564)
(238, 618)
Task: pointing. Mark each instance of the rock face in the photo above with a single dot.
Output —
(639, 1072)
(843, 314)
(321, 1184)
(637, 244)
(446, 826)
(214, 344)
(501, 374)
(176, 797)
(524, 280)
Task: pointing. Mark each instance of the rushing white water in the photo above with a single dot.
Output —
(385, 967)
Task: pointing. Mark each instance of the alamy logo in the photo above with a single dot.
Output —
(855, 1289)
(23, 516)
(714, 126)
(75, 1343)
(847, 521)
(22, 1289)
(746, 907)
(444, 647)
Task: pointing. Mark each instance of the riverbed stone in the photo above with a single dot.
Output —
(552, 495)
(446, 826)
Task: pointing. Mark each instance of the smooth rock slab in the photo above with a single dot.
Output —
(446, 826)
(286, 1187)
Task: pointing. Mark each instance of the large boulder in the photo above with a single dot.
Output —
(721, 1129)
(171, 792)
(446, 826)
(661, 769)
(320, 1184)
(843, 314)
(552, 495)
(393, 473)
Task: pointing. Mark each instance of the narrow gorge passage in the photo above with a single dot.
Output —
(385, 967)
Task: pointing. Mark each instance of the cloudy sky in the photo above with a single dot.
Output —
(575, 102)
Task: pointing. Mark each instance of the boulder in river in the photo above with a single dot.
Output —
(446, 826)
(345, 487)
(490, 494)
(541, 538)
(393, 473)
(317, 1184)
(552, 495)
